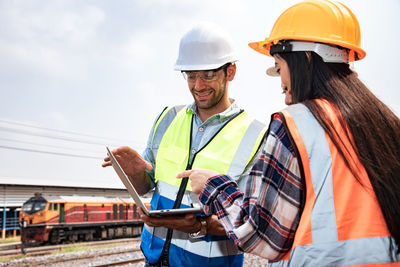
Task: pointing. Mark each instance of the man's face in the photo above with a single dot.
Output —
(207, 87)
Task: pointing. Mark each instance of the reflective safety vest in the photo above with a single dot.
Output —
(228, 152)
(341, 223)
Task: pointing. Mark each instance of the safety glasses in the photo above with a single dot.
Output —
(205, 75)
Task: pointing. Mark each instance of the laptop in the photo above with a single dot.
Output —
(132, 191)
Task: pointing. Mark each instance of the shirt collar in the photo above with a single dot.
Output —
(230, 111)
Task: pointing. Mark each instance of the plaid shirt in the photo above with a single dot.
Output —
(263, 219)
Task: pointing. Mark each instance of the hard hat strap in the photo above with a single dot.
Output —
(327, 52)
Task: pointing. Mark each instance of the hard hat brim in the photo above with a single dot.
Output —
(263, 47)
(201, 67)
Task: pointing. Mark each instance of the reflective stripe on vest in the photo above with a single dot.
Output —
(220, 247)
(341, 223)
(181, 251)
(228, 152)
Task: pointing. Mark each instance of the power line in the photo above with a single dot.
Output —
(20, 131)
(61, 131)
(51, 136)
(45, 145)
(49, 152)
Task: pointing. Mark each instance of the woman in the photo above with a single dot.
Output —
(325, 187)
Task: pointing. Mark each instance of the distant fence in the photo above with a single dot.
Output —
(11, 224)
(9, 219)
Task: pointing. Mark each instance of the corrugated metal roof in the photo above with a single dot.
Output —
(15, 191)
(16, 195)
(87, 199)
(112, 184)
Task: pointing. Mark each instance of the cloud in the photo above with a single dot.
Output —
(137, 50)
(47, 39)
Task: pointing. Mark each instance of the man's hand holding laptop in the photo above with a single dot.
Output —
(134, 167)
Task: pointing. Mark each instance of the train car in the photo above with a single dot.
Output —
(54, 219)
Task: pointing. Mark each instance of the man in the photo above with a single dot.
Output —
(211, 133)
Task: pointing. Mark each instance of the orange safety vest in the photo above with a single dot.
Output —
(341, 223)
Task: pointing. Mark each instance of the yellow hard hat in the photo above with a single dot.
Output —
(316, 21)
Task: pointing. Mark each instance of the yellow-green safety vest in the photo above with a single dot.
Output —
(229, 151)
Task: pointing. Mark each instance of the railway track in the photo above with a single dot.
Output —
(126, 253)
(84, 259)
(120, 263)
(15, 248)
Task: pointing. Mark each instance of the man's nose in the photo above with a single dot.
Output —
(199, 83)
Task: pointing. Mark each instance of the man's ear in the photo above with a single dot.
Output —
(230, 72)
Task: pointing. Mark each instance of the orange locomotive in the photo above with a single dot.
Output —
(53, 219)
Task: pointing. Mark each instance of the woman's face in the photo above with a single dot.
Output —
(283, 71)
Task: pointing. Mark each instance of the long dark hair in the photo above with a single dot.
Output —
(373, 127)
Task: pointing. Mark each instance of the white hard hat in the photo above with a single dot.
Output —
(205, 47)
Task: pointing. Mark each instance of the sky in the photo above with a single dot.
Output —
(76, 75)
